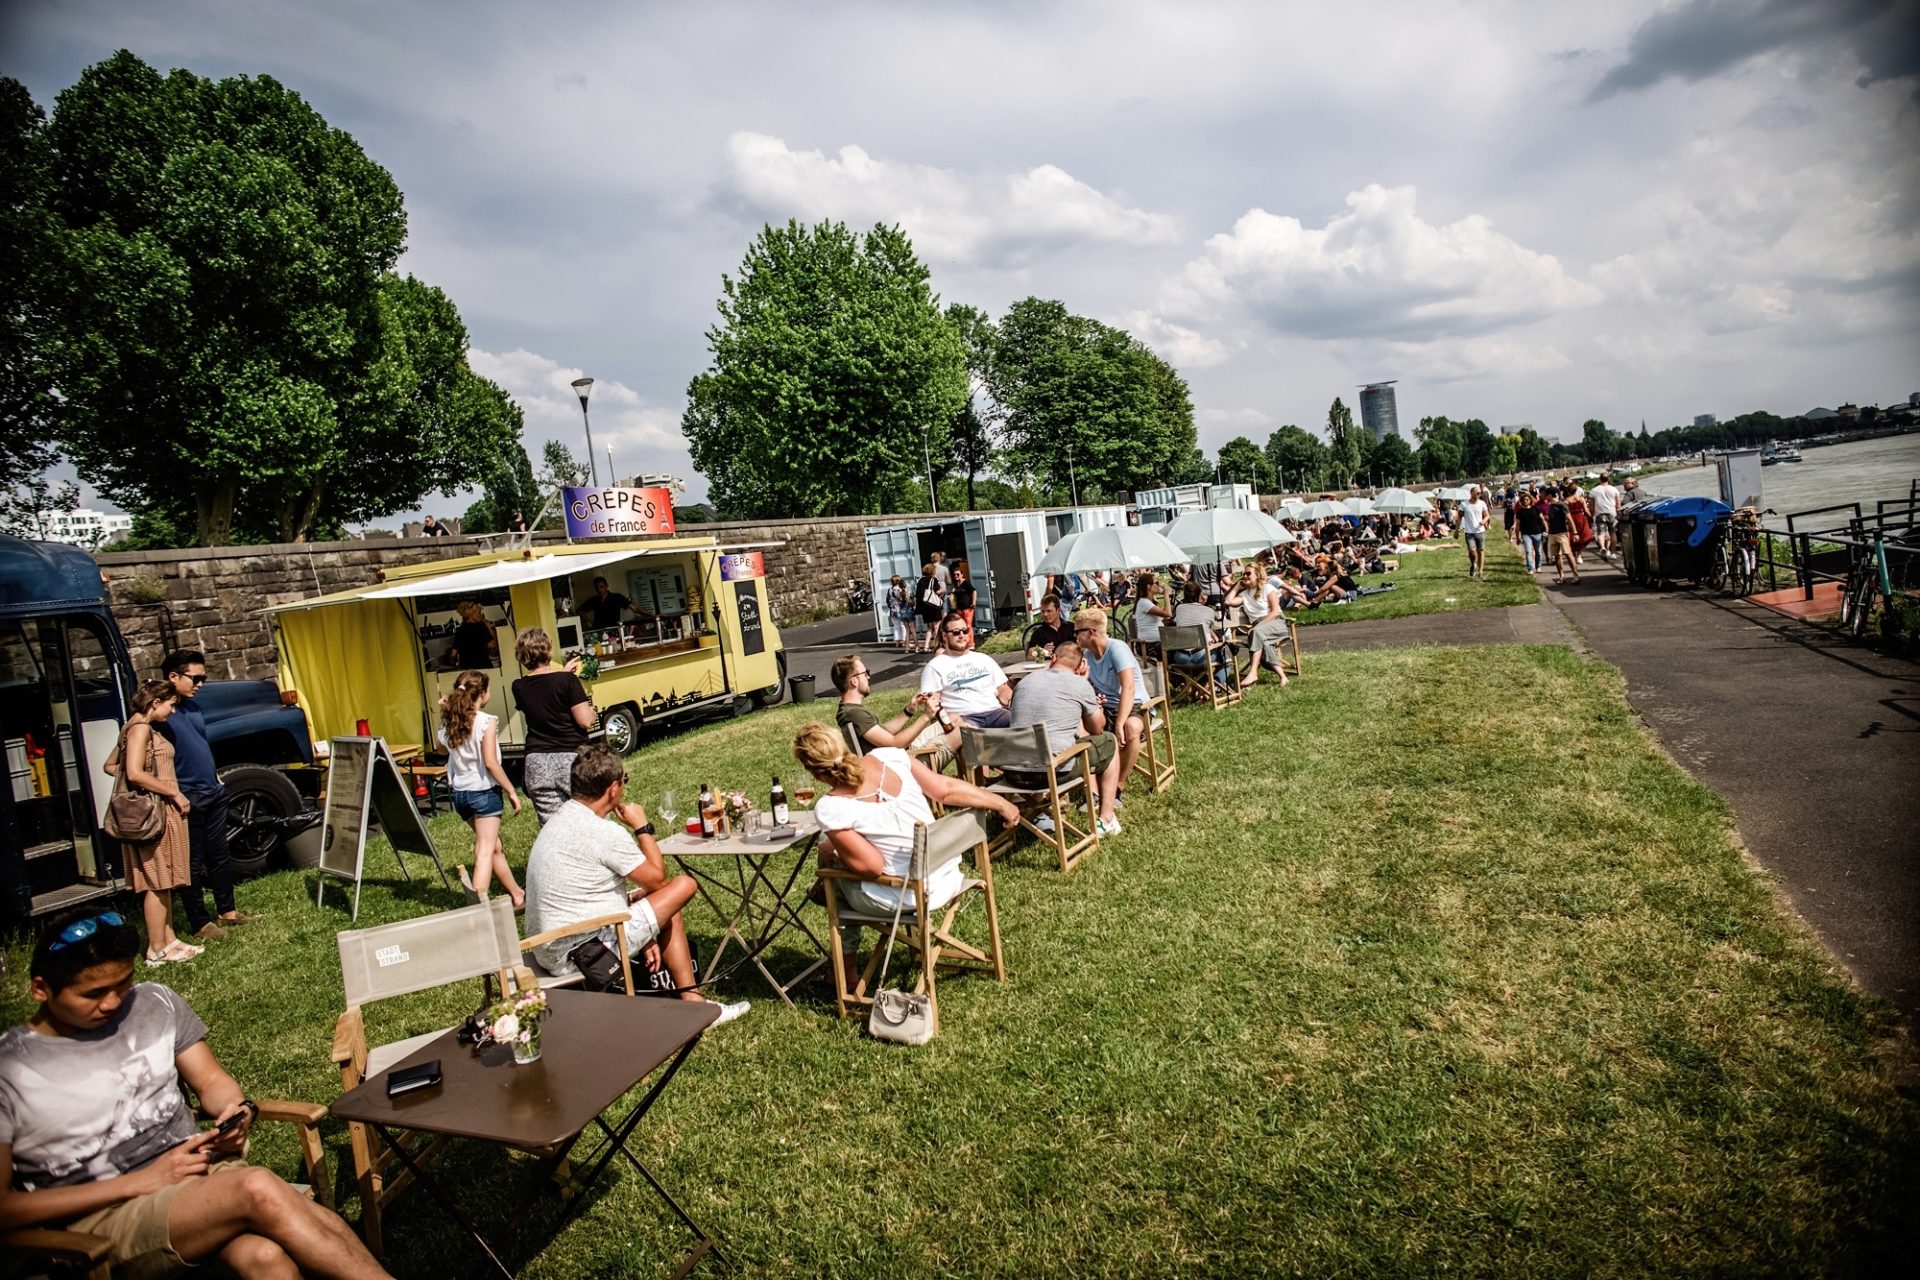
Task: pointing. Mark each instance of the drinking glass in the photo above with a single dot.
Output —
(670, 811)
(804, 794)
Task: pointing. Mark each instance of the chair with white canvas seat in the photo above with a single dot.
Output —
(1018, 764)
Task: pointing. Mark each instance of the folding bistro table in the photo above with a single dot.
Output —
(740, 877)
(594, 1048)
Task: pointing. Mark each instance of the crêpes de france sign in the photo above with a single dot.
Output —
(618, 513)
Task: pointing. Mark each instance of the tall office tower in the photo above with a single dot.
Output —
(1378, 411)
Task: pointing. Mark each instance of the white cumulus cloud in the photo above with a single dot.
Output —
(643, 436)
(990, 219)
(1378, 271)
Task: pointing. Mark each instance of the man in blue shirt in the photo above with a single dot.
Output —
(186, 729)
(1115, 674)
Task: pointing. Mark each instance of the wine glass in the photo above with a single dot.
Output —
(804, 794)
(670, 810)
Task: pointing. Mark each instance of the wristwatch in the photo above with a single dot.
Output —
(645, 829)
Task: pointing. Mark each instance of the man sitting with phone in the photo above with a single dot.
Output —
(584, 865)
(96, 1137)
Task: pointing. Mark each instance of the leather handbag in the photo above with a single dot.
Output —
(900, 1016)
(133, 815)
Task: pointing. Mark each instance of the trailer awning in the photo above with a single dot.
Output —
(486, 577)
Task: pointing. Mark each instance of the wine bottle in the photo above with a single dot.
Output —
(778, 803)
(706, 812)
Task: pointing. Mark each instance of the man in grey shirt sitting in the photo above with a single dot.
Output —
(585, 865)
(1061, 698)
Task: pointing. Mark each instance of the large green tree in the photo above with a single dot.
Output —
(1477, 438)
(1533, 451)
(1082, 398)
(1243, 462)
(970, 434)
(1390, 460)
(26, 245)
(833, 368)
(228, 338)
(510, 487)
(1503, 459)
(1298, 458)
(1347, 446)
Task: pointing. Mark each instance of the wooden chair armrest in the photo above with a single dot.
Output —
(348, 1030)
(79, 1247)
(1079, 748)
(285, 1112)
(858, 877)
(568, 930)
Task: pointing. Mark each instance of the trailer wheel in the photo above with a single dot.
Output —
(772, 695)
(255, 796)
(623, 728)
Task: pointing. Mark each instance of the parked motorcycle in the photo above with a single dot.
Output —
(859, 596)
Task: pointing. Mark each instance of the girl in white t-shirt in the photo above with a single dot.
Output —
(875, 802)
(477, 778)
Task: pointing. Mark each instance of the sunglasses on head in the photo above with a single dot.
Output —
(81, 930)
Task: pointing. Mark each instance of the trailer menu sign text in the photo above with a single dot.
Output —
(618, 513)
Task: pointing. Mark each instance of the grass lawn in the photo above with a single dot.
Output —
(1431, 963)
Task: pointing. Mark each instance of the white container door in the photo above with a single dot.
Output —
(890, 551)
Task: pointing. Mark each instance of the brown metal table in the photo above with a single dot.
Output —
(594, 1048)
(755, 905)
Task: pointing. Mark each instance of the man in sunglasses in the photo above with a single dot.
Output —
(972, 687)
(186, 729)
(95, 1135)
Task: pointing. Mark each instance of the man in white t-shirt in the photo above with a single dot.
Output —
(972, 687)
(1606, 513)
(584, 865)
(1473, 526)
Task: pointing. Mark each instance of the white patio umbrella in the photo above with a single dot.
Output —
(1400, 502)
(1216, 534)
(1112, 547)
(1452, 495)
(1324, 510)
(1360, 506)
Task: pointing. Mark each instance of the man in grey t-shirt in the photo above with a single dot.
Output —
(1061, 698)
(584, 866)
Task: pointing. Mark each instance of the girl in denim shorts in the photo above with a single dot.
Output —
(479, 781)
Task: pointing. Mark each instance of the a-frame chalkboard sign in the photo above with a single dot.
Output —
(364, 784)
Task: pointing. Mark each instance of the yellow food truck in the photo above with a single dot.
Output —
(682, 627)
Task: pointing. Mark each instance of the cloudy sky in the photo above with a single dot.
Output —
(1523, 212)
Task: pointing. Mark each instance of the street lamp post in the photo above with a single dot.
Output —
(581, 386)
(926, 451)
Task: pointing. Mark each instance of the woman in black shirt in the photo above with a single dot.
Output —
(474, 645)
(963, 596)
(558, 715)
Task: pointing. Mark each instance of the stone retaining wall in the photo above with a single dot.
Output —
(208, 597)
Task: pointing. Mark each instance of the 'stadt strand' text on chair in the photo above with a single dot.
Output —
(391, 960)
(936, 846)
(1016, 763)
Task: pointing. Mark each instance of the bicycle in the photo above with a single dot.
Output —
(1869, 588)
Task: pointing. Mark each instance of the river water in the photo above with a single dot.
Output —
(1862, 471)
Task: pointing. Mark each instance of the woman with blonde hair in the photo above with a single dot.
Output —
(478, 779)
(558, 715)
(868, 817)
(157, 868)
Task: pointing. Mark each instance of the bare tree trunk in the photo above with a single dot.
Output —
(302, 530)
(213, 510)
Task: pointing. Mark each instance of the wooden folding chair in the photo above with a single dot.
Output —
(1062, 777)
(1198, 681)
(1156, 761)
(401, 959)
(928, 756)
(547, 978)
(936, 846)
(1290, 644)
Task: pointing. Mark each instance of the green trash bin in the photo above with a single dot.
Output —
(802, 687)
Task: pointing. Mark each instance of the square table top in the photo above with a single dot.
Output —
(735, 845)
(594, 1047)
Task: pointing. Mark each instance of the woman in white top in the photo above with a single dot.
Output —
(875, 802)
(1151, 611)
(472, 740)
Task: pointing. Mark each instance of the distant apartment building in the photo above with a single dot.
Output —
(1379, 411)
(1705, 420)
(83, 526)
(1514, 429)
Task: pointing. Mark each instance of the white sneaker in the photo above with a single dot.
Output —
(728, 1012)
(1109, 826)
(1045, 823)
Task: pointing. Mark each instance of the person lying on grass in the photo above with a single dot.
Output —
(96, 1137)
(868, 816)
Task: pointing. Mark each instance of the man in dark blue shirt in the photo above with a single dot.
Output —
(186, 729)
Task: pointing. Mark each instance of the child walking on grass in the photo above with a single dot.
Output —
(479, 781)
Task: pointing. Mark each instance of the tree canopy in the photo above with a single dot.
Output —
(1347, 446)
(228, 342)
(1086, 404)
(1243, 462)
(1299, 458)
(833, 369)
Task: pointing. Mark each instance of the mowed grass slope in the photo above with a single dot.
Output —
(1431, 963)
